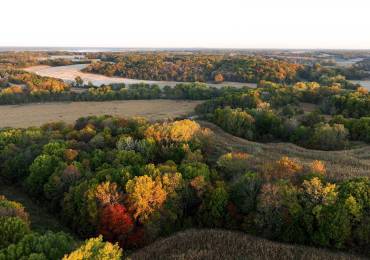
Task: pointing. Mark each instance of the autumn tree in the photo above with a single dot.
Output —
(79, 81)
(145, 195)
(95, 249)
(219, 78)
(115, 223)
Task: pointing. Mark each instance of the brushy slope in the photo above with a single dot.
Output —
(220, 244)
(340, 164)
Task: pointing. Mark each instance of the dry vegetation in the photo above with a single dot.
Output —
(220, 244)
(340, 164)
(38, 114)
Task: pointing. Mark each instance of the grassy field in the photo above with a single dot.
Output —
(222, 244)
(38, 114)
(340, 164)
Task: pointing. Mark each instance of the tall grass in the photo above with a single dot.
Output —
(222, 244)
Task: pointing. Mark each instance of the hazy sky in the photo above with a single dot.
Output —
(186, 23)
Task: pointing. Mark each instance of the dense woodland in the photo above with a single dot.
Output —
(271, 112)
(274, 112)
(122, 183)
(192, 68)
(19, 241)
(219, 68)
(132, 181)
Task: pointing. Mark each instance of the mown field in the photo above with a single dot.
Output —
(38, 114)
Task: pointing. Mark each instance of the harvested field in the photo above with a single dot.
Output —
(221, 244)
(70, 72)
(38, 114)
(340, 164)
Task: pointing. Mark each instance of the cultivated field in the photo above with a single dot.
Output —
(340, 164)
(221, 244)
(70, 72)
(38, 114)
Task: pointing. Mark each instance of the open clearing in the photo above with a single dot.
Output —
(70, 72)
(340, 164)
(222, 244)
(38, 114)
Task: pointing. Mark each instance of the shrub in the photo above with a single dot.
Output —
(244, 192)
(12, 209)
(213, 209)
(279, 212)
(328, 137)
(95, 249)
(233, 164)
(12, 229)
(115, 223)
(285, 168)
(49, 246)
(195, 169)
(326, 220)
(40, 171)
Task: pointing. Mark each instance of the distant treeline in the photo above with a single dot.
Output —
(192, 68)
(215, 68)
(273, 112)
(23, 87)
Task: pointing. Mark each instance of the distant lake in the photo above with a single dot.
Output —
(70, 72)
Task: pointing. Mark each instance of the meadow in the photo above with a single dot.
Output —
(41, 113)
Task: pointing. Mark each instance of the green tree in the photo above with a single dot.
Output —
(40, 171)
(49, 246)
(12, 229)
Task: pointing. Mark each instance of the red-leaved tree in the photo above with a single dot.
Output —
(115, 223)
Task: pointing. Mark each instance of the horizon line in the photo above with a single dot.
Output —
(183, 48)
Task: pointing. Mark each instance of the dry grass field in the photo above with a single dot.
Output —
(340, 164)
(38, 114)
(221, 244)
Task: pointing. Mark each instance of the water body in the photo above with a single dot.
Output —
(70, 72)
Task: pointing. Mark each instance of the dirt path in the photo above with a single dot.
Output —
(38, 114)
(340, 164)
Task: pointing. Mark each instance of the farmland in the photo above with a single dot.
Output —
(38, 114)
(70, 72)
(171, 170)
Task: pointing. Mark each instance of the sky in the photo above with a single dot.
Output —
(288, 24)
